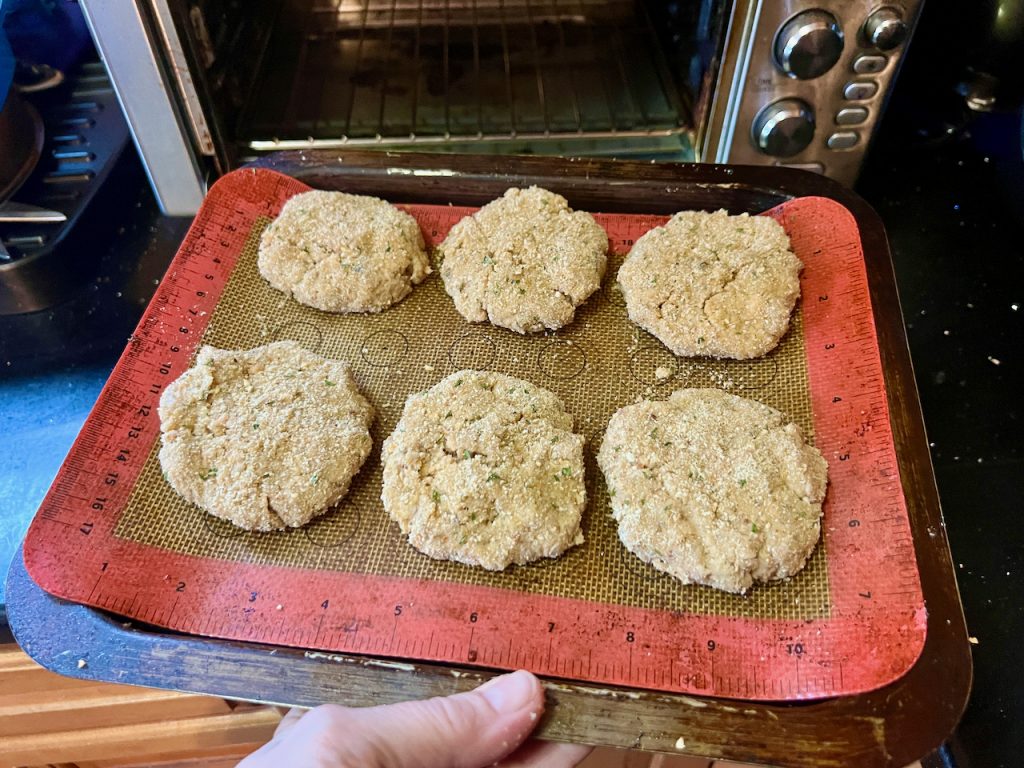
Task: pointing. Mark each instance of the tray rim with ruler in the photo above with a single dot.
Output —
(620, 187)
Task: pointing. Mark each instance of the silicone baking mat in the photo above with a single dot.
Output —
(112, 534)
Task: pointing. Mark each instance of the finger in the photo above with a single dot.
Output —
(468, 730)
(290, 719)
(546, 754)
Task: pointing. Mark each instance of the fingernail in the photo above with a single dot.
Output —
(509, 693)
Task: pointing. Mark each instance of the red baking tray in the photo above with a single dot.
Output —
(866, 631)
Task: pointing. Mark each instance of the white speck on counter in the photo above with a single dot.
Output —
(662, 372)
(82, 663)
(680, 743)
(428, 368)
(972, 640)
(994, 360)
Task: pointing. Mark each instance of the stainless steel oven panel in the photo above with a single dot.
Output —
(132, 57)
(207, 83)
(846, 101)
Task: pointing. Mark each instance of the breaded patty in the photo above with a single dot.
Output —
(713, 488)
(524, 261)
(485, 469)
(713, 284)
(266, 438)
(343, 253)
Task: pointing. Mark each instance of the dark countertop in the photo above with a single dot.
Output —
(954, 210)
(952, 206)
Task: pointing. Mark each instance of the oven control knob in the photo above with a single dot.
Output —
(808, 45)
(885, 29)
(784, 128)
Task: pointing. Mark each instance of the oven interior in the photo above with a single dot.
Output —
(596, 77)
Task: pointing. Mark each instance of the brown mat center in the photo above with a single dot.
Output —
(597, 364)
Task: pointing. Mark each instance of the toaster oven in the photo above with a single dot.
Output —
(209, 84)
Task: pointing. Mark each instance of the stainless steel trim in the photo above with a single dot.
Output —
(127, 49)
(182, 77)
(723, 115)
(268, 145)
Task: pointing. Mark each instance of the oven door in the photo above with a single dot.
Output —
(566, 77)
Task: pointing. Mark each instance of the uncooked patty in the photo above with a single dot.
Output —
(485, 469)
(343, 253)
(713, 284)
(524, 261)
(267, 438)
(713, 488)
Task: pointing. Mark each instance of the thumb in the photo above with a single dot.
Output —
(468, 730)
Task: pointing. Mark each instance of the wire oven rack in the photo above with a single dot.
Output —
(446, 72)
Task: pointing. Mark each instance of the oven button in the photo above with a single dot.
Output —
(859, 91)
(851, 116)
(784, 128)
(808, 44)
(869, 64)
(843, 140)
(885, 29)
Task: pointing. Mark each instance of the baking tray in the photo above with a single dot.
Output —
(599, 187)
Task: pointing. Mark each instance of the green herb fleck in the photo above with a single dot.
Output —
(448, 415)
(611, 491)
(493, 476)
(264, 475)
(566, 471)
(654, 433)
(436, 496)
(208, 474)
(315, 478)
(458, 382)
(754, 528)
(700, 339)
(488, 260)
(255, 425)
(472, 517)
(328, 383)
(743, 482)
(466, 454)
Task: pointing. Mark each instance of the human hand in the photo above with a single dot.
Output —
(487, 726)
